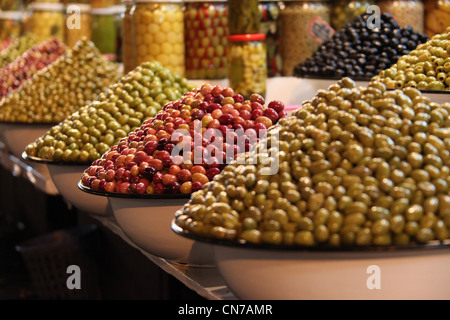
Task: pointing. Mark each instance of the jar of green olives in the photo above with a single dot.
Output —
(128, 47)
(104, 33)
(10, 24)
(159, 33)
(243, 16)
(406, 12)
(304, 26)
(206, 31)
(247, 67)
(47, 20)
(270, 26)
(75, 32)
(437, 16)
(344, 11)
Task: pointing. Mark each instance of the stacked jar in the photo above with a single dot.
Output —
(159, 33)
(10, 24)
(304, 27)
(437, 16)
(206, 31)
(247, 52)
(344, 11)
(78, 22)
(104, 32)
(47, 20)
(128, 47)
(406, 12)
(270, 26)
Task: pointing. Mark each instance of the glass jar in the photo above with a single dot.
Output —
(119, 11)
(104, 33)
(304, 26)
(437, 16)
(47, 20)
(406, 12)
(344, 11)
(10, 24)
(159, 33)
(10, 5)
(247, 67)
(74, 32)
(243, 16)
(206, 31)
(270, 26)
(128, 47)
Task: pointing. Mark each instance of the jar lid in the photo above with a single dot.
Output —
(247, 37)
(108, 11)
(47, 6)
(84, 8)
(205, 1)
(119, 8)
(11, 15)
(159, 1)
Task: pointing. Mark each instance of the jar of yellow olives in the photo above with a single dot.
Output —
(10, 24)
(304, 27)
(247, 67)
(206, 31)
(437, 16)
(128, 47)
(344, 11)
(159, 33)
(47, 20)
(77, 28)
(406, 12)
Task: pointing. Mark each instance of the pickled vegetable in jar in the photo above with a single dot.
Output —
(344, 11)
(10, 24)
(247, 67)
(304, 26)
(75, 32)
(437, 16)
(406, 12)
(104, 33)
(243, 16)
(128, 47)
(119, 11)
(270, 26)
(10, 5)
(159, 33)
(206, 31)
(47, 20)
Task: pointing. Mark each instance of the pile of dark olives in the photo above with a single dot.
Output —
(361, 52)
(92, 130)
(358, 166)
(55, 92)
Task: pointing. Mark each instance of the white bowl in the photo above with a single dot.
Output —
(147, 223)
(66, 178)
(18, 136)
(398, 274)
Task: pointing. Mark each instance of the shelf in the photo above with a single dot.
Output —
(205, 281)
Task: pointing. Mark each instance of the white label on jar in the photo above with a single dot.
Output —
(319, 30)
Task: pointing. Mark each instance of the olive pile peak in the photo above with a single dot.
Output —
(359, 52)
(357, 166)
(425, 68)
(17, 48)
(55, 92)
(88, 133)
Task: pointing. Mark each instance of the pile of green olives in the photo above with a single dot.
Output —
(17, 48)
(91, 131)
(425, 68)
(55, 92)
(358, 166)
